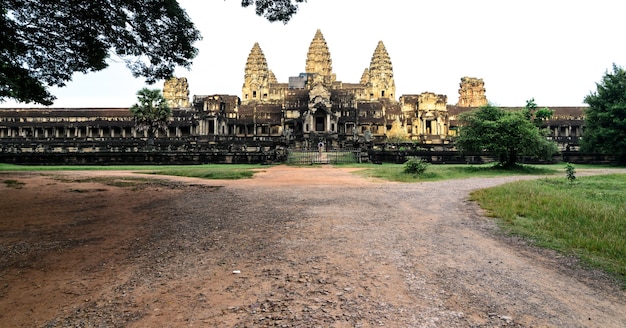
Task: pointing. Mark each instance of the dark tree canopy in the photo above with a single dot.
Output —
(274, 10)
(605, 119)
(42, 43)
(536, 115)
(504, 134)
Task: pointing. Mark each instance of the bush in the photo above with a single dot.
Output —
(415, 166)
(570, 173)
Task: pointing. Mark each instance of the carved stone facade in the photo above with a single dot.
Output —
(427, 114)
(318, 61)
(312, 106)
(176, 92)
(381, 84)
(257, 77)
(472, 92)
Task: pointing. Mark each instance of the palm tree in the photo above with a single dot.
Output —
(151, 112)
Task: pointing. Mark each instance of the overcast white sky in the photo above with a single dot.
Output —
(551, 50)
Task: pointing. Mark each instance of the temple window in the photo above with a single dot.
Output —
(382, 93)
(253, 94)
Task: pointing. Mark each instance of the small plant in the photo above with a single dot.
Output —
(570, 173)
(415, 166)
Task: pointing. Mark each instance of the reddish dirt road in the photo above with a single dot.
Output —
(293, 247)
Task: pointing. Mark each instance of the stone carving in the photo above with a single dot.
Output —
(472, 92)
(432, 114)
(318, 59)
(365, 78)
(176, 92)
(257, 76)
(271, 78)
(319, 97)
(381, 83)
(428, 101)
(397, 131)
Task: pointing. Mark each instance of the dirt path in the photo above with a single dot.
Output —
(293, 247)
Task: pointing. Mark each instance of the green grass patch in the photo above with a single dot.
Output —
(227, 172)
(586, 219)
(13, 167)
(435, 172)
(207, 171)
(14, 184)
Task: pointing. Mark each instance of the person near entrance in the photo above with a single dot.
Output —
(320, 145)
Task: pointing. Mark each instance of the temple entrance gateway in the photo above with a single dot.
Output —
(319, 123)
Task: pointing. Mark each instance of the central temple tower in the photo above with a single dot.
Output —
(319, 117)
(318, 62)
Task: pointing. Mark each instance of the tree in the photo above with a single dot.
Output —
(151, 113)
(274, 10)
(537, 116)
(505, 134)
(42, 43)
(605, 119)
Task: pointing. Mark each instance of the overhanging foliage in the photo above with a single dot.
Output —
(605, 119)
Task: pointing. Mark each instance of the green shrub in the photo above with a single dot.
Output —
(415, 166)
(570, 173)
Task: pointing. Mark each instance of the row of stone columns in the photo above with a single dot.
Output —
(78, 132)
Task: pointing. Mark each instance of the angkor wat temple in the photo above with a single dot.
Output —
(311, 108)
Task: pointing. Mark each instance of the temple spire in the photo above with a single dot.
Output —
(381, 82)
(176, 92)
(318, 60)
(472, 92)
(257, 76)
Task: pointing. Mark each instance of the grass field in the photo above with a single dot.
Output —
(586, 218)
(208, 171)
(391, 172)
(394, 172)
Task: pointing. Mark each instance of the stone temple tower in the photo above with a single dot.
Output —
(318, 60)
(176, 92)
(257, 78)
(381, 83)
(472, 92)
